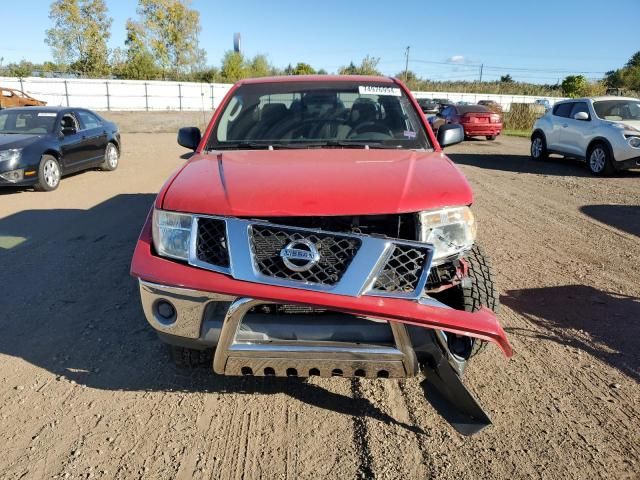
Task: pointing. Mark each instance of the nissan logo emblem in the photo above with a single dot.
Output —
(300, 255)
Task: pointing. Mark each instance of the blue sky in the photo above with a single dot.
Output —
(539, 41)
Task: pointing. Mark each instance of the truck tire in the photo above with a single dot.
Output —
(482, 292)
(190, 357)
(479, 292)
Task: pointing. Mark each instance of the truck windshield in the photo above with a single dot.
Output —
(338, 114)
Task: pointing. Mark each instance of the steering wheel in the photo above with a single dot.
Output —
(370, 127)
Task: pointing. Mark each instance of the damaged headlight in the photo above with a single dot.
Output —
(450, 230)
(172, 234)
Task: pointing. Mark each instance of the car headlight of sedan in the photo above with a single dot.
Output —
(172, 234)
(634, 141)
(450, 230)
(11, 156)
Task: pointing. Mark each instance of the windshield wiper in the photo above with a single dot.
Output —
(303, 145)
(241, 145)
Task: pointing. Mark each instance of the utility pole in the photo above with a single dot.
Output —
(481, 67)
(406, 63)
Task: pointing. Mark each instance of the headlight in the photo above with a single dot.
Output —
(634, 142)
(172, 234)
(450, 230)
(12, 156)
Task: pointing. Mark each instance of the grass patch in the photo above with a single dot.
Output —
(517, 133)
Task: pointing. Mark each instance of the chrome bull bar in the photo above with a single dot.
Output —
(309, 358)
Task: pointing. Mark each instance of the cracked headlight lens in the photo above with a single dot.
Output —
(172, 234)
(450, 230)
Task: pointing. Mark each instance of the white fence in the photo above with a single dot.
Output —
(150, 95)
(121, 94)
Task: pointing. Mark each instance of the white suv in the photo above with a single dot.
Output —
(604, 131)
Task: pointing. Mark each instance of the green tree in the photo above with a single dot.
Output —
(78, 38)
(233, 67)
(303, 69)
(506, 78)
(259, 67)
(368, 66)
(139, 62)
(634, 61)
(171, 32)
(208, 75)
(574, 86)
(22, 69)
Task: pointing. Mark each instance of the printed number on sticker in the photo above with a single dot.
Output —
(373, 90)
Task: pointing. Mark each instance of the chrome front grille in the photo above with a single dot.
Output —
(336, 253)
(403, 270)
(343, 263)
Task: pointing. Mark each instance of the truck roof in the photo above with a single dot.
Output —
(319, 78)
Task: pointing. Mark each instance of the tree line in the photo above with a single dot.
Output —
(162, 43)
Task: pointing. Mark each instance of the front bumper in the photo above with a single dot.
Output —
(425, 312)
(627, 164)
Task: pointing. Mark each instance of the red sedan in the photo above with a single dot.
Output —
(477, 120)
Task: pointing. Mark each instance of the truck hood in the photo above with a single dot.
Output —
(632, 123)
(323, 182)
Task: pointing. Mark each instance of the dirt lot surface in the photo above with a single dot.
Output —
(86, 390)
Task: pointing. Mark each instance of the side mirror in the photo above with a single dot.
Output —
(450, 134)
(584, 116)
(189, 137)
(68, 131)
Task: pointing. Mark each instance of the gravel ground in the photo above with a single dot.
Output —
(87, 391)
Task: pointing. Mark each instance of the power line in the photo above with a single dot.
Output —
(513, 69)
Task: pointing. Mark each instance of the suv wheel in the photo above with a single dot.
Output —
(538, 147)
(599, 160)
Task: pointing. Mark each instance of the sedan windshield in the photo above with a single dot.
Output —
(26, 122)
(337, 114)
(617, 110)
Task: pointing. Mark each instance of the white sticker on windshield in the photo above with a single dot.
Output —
(373, 90)
(47, 114)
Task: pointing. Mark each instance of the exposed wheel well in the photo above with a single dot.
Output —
(53, 153)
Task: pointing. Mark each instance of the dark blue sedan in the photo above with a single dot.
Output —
(39, 145)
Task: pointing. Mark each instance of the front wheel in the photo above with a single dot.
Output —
(599, 160)
(111, 157)
(48, 174)
(480, 291)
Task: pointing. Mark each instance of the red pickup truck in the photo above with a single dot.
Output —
(319, 229)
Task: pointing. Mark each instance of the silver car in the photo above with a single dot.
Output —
(604, 131)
